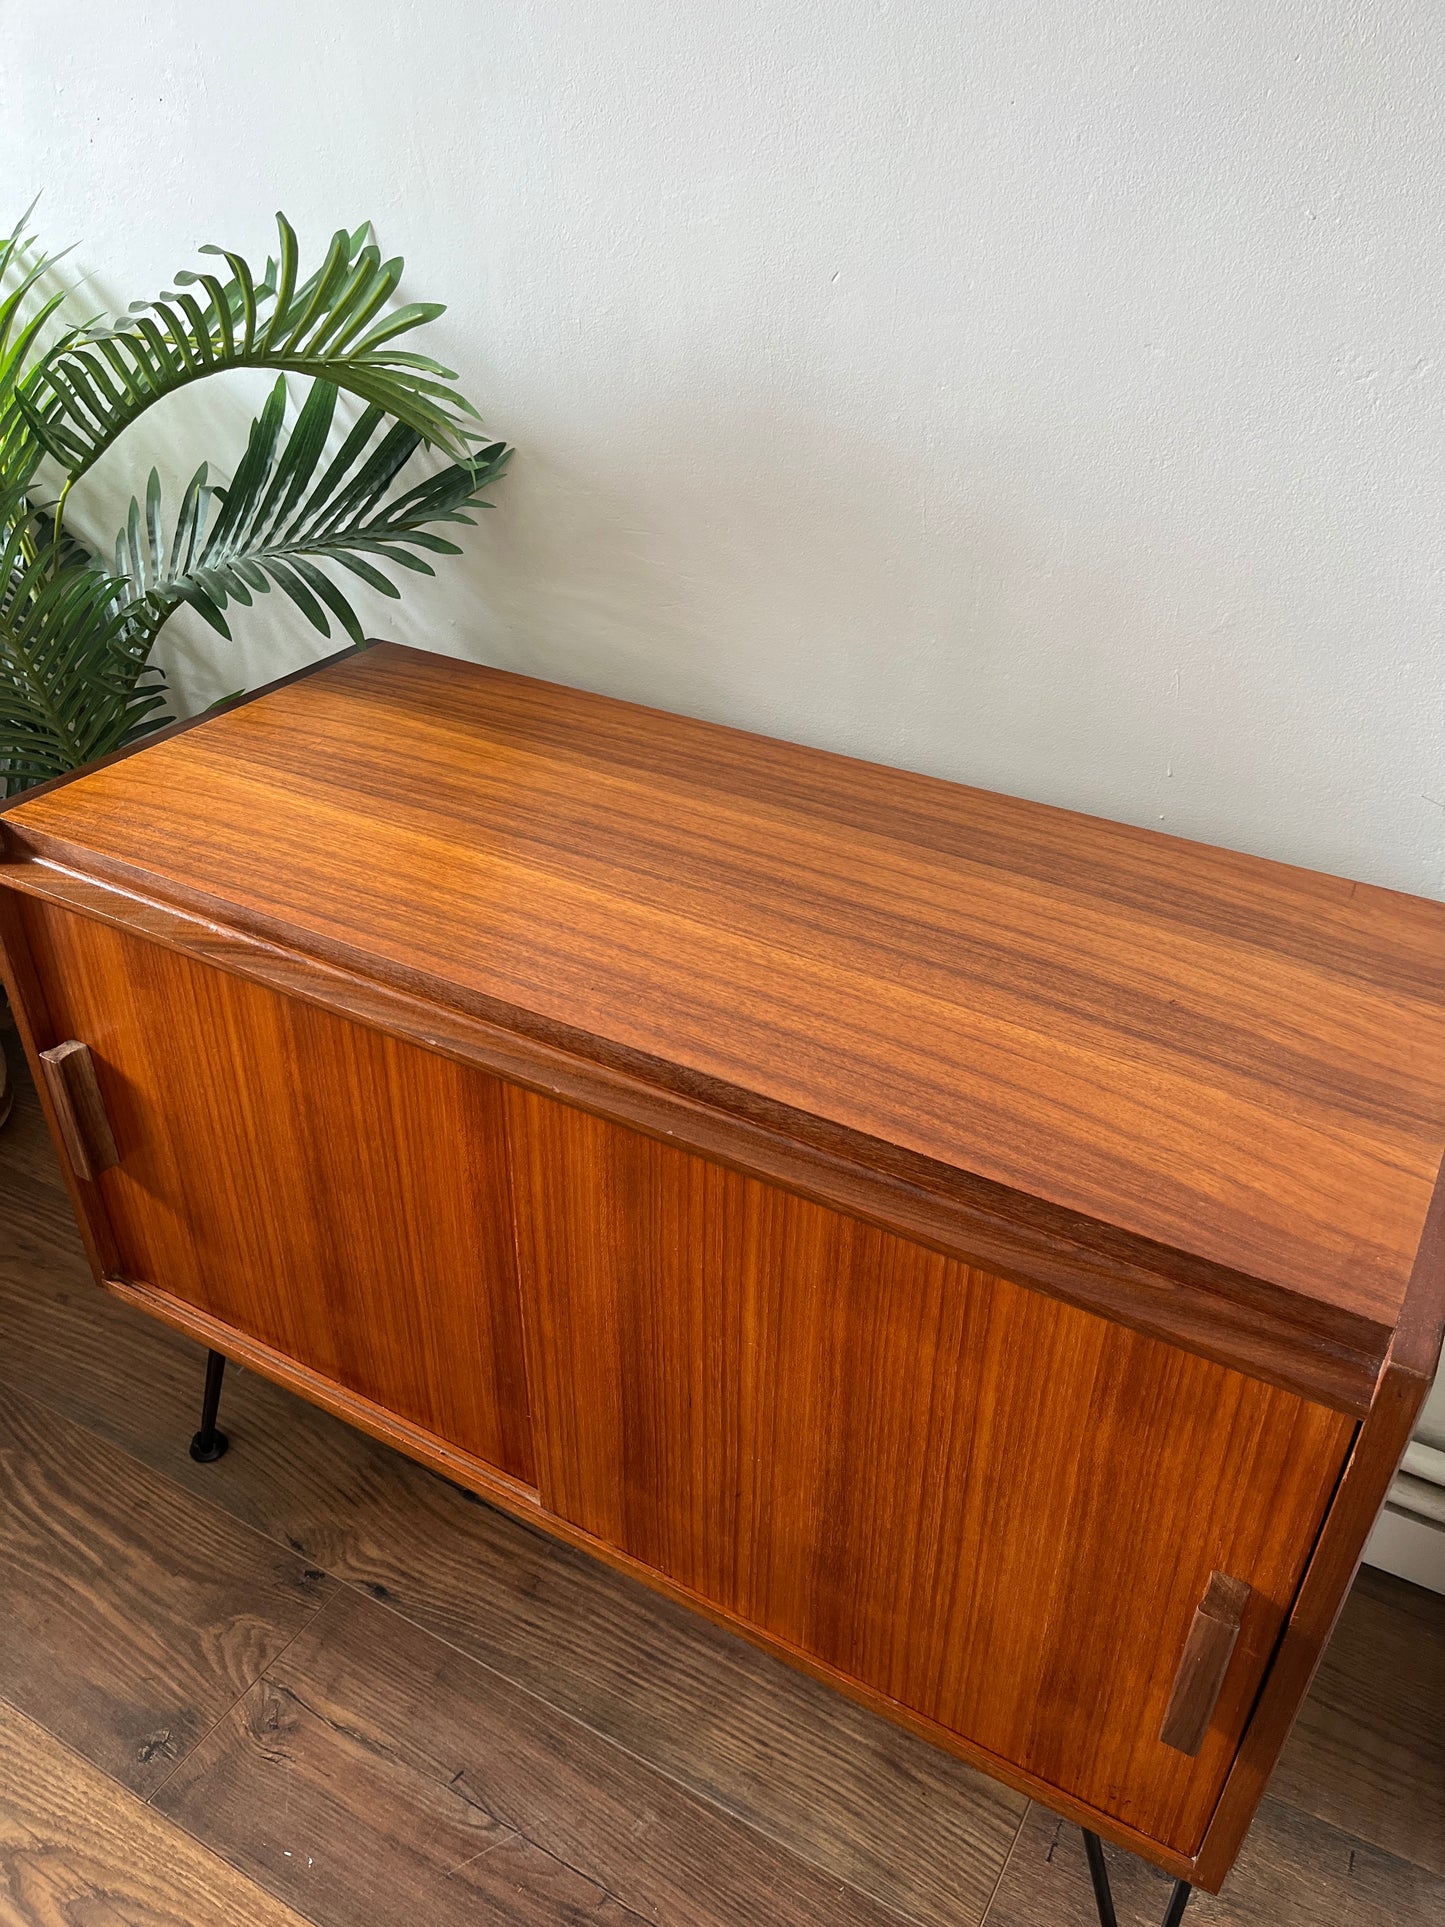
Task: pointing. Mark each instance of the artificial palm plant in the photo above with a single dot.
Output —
(303, 507)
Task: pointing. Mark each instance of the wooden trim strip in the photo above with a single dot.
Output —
(1331, 1357)
(433, 1452)
(1415, 1347)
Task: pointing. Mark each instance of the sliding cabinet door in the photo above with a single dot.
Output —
(998, 1511)
(336, 1195)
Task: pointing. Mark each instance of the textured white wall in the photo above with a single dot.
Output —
(1047, 396)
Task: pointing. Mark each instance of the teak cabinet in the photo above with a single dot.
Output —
(990, 1256)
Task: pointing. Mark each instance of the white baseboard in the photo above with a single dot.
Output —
(1412, 1548)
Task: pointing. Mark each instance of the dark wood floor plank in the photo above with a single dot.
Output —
(133, 1614)
(861, 1799)
(1294, 1871)
(335, 1823)
(1368, 1750)
(25, 1151)
(76, 1850)
(453, 1770)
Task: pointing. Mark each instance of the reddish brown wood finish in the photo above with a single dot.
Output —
(949, 1229)
(336, 1196)
(1220, 1073)
(994, 1509)
(523, 1502)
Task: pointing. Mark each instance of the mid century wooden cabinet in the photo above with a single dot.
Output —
(991, 1256)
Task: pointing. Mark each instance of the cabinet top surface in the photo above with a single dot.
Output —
(1236, 1059)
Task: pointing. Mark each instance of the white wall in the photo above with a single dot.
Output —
(1046, 395)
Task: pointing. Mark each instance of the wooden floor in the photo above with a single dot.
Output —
(313, 1682)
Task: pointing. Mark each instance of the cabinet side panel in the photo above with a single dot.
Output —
(338, 1195)
(998, 1510)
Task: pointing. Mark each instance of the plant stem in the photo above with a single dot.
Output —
(60, 515)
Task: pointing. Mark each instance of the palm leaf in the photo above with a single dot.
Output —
(284, 513)
(23, 321)
(335, 327)
(73, 677)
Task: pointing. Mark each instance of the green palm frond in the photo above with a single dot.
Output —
(73, 677)
(279, 518)
(22, 325)
(76, 637)
(334, 326)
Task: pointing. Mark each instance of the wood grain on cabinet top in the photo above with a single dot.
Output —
(1234, 1068)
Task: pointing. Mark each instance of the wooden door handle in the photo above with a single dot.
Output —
(1205, 1661)
(79, 1108)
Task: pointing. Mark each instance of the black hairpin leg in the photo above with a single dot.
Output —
(1104, 1898)
(209, 1444)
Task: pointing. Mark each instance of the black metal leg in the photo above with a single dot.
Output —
(1103, 1894)
(209, 1444)
(1099, 1874)
(1178, 1901)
